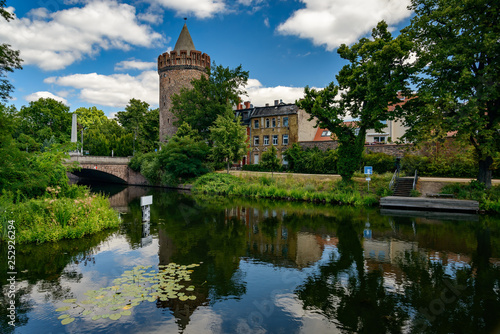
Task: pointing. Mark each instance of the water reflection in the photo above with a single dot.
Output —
(275, 267)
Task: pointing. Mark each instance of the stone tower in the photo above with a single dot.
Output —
(176, 70)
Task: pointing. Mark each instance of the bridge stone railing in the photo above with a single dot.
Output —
(100, 160)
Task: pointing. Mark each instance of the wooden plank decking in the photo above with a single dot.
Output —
(429, 204)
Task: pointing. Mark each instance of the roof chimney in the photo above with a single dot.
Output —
(247, 104)
(276, 102)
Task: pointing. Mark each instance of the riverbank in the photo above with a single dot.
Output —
(51, 218)
(328, 188)
(293, 187)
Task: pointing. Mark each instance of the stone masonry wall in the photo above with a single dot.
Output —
(391, 149)
(171, 82)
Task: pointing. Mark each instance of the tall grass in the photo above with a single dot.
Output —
(310, 190)
(489, 199)
(52, 218)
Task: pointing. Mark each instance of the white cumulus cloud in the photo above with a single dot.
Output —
(260, 95)
(135, 65)
(334, 22)
(114, 90)
(55, 40)
(200, 8)
(44, 94)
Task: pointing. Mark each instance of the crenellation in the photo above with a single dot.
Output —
(172, 58)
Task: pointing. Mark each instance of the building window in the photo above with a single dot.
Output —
(256, 124)
(274, 122)
(285, 121)
(356, 131)
(285, 139)
(256, 141)
(380, 139)
(275, 139)
(256, 158)
(266, 140)
(267, 122)
(326, 133)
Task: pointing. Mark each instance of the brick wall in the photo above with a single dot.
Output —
(391, 149)
(176, 71)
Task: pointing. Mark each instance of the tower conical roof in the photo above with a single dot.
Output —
(184, 42)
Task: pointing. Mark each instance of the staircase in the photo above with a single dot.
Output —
(403, 187)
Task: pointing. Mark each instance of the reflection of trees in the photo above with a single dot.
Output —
(200, 233)
(452, 298)
(44, 265)
(346, 294)
(435, 296)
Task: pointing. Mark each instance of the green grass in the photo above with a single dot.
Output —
(295, 188)
(489, 199)
(51, 218)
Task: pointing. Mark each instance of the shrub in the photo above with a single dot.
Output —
(381, 162)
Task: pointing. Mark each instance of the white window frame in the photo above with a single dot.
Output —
(256, 141)
(275, 140)
(266, 140)
(285, 139)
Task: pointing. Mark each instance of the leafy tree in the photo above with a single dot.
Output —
(182, 158)
(185, 130)
(210, 97)
(270, 160)
(458, 63)
(376, 71)
(229, 138)
(44, 119)
(88, 117)
(142, 123)
(9, 59)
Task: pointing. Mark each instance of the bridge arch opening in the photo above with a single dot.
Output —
(89, 174)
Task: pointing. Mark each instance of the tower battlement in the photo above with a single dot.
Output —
(173, 60)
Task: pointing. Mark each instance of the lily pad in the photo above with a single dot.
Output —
(67, 321)
(115, 316)
(62, 309)
(96, 317)
(70, 301)
(63, 316)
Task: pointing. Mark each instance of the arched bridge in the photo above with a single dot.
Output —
(107, 169)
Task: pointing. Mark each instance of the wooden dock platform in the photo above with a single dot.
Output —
(429, 204)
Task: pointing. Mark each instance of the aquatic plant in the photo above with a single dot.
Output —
(131, 289)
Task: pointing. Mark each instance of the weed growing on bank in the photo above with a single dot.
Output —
(52, 218)
(489, 199)
(291, 187)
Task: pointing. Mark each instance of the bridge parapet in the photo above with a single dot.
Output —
(104, 160)
(108, 169)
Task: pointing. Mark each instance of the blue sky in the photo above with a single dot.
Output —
(103, 52)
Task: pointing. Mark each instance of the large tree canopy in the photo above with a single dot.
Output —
(376, 72)
(458, 62)
(142, 123)
(210, 97)
(9, 59)
(229, 138)
(45, 120)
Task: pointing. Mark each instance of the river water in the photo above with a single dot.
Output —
(218, 265)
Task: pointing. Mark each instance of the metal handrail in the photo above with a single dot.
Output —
(415, 178)
(394, 178)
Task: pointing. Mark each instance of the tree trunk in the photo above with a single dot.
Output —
(484, 174)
